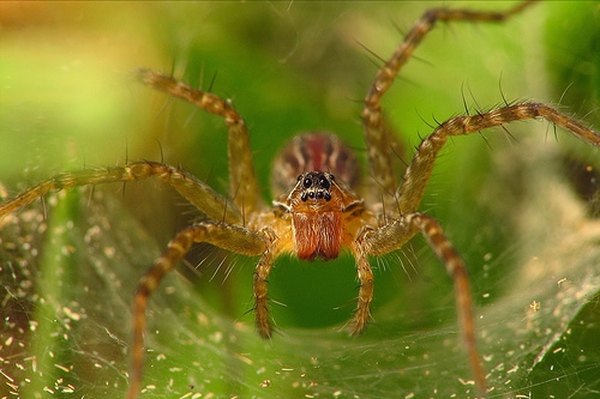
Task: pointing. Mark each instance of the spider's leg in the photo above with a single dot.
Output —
(232, 238)
(417, 174)
(377, 139)
(395, 234)
(195, 191)
(242, 179)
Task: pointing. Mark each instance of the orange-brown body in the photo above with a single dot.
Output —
(321, 207)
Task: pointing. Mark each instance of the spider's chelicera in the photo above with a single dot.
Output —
(316, 213)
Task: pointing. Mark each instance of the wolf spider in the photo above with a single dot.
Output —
(321, 214)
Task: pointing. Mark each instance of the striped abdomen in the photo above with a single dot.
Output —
(323, 152)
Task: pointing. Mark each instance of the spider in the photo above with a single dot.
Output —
(317, 213)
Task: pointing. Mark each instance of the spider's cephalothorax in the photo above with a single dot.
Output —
(316, 206)
(321, 206)
(315, 214)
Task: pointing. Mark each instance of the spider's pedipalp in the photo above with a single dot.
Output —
(264, 325)
(362, 313)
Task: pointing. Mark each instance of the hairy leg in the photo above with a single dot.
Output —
(394, 235)
(242, 179)
(195, 191)
(380, 152)
(417, 175)
(455, 267)
(232, 238)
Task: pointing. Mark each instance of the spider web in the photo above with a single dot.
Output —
(68, 282)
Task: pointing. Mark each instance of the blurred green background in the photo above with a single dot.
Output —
(69, 100)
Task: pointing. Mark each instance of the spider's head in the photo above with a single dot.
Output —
(318, 191)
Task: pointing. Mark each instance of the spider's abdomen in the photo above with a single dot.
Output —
(322, 152)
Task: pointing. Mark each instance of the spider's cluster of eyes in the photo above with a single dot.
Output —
(316, 185)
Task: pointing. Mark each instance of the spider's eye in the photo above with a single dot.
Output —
(299, 177)
(324, 183)
(304, 197)
(332, 177)
(307, 183)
